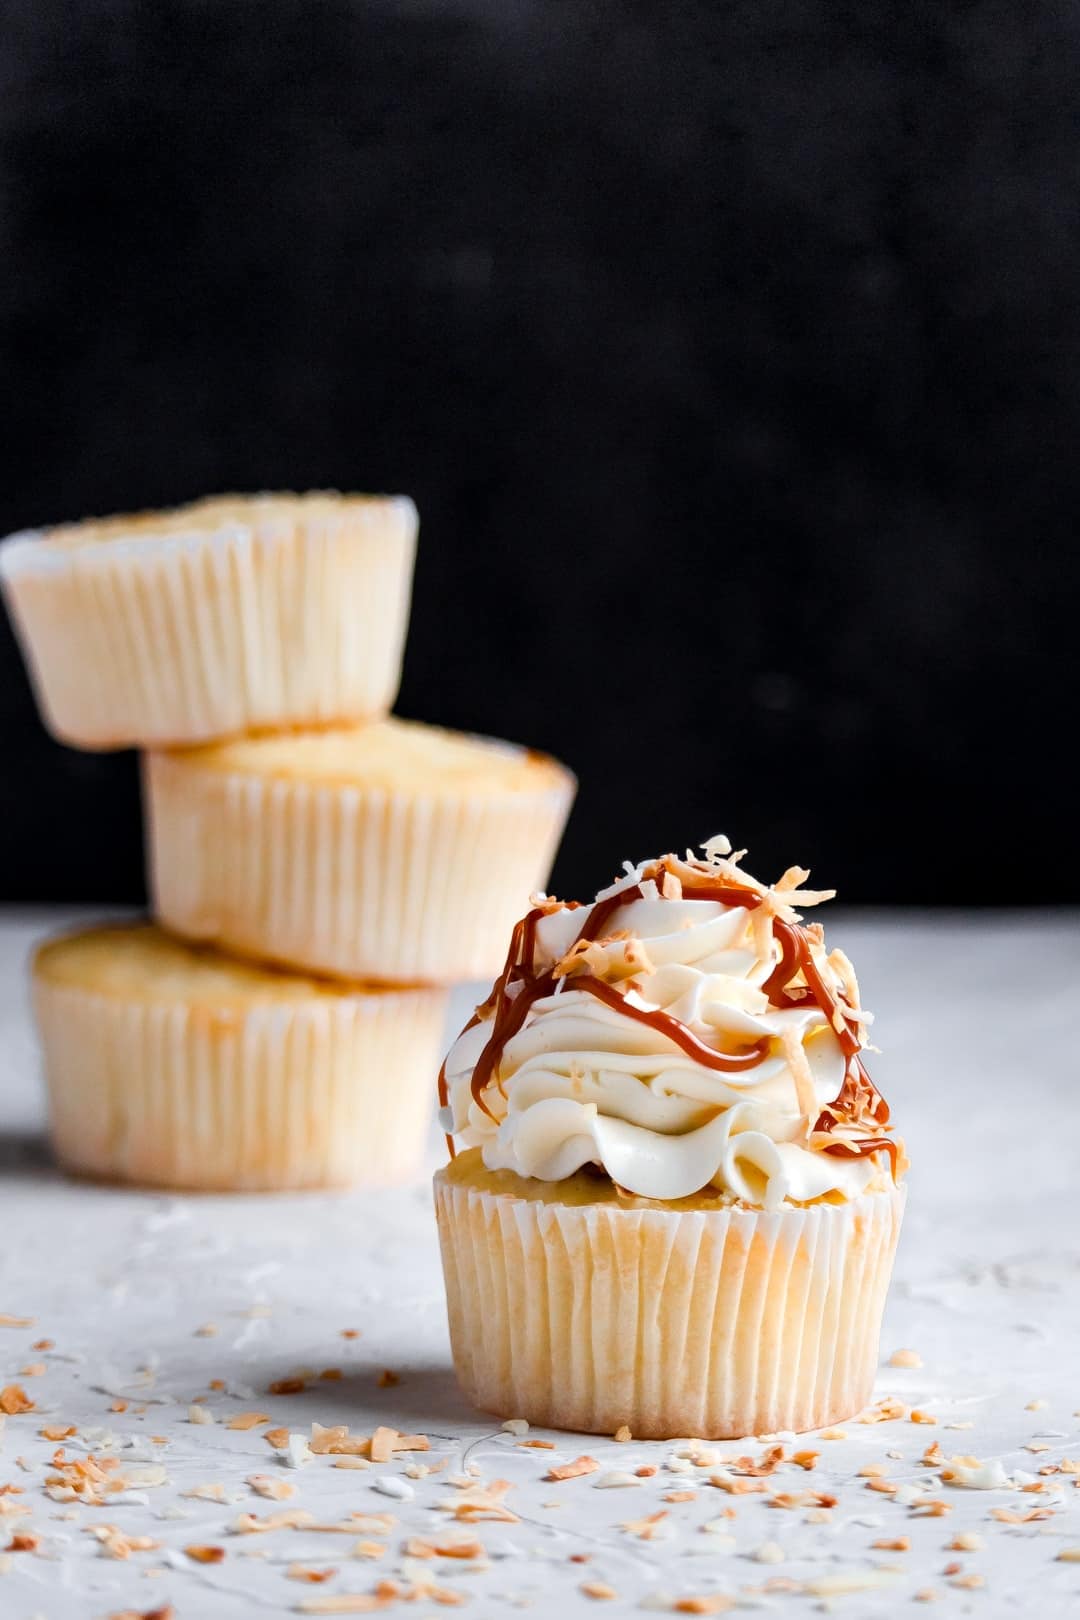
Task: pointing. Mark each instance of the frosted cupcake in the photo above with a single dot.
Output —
(679, 1202)
(233, 614)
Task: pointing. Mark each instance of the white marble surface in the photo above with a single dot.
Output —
(977, 1019)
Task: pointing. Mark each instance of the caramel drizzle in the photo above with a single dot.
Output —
(857, 1097)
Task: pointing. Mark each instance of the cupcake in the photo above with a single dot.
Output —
(678, 1202)
(230, 615)
(175, 1066)
(394, 851)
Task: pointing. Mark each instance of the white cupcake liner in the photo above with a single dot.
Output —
(710, 1323)
(200, 1096)
(277, 612)
(361, 883)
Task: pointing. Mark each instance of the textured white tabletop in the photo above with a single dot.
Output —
(144, 1305)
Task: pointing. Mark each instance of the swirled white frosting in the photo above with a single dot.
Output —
(583, 1083)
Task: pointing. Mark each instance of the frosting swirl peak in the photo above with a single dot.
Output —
(685, 1033)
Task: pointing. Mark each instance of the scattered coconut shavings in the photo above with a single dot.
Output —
(7, 1320)
(646, 1529)
(622, 1434)
(928, 1507)
(572, 1470)
(767, 1464)
(205, 1555)
(479, 1502)
(597, 1589)
(889, 1410)
(444, 1547)
(367, 1549)
(966, 1541)
(277, 1490)
(199, 1414)
(314, 1577)
(736, 1486)
(387, 1379)
(1069, 1555)
(893, 1544)
(288, 1386)
(864, 1580)
(971, 1473)
(1006, 1515)
(247, 1420)
(680, 1496)
(53, 1431)
(905, 1358)
(714, 1603)
(207, 1493)
(969, 1582)
(296, 1452)
(35, 1369)
(249, 1524)
(278, 1438)
(832, 1434)
(805, 1459)
(918, 1416)
(769, 1552)
(14, 1400)
(615, 1478)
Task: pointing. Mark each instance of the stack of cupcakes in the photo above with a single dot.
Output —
(355, 864)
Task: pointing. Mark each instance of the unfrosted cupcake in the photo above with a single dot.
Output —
(391, 851)
(233, 614)
(176, 1066)
(678, 1204)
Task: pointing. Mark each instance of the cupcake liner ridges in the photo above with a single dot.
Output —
(358, 882)
(700, 1323)
(229, 616)
(290, 1094)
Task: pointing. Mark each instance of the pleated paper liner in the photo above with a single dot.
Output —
(227, 616)
(364, 882)
(714, 1323)
(192, 1093)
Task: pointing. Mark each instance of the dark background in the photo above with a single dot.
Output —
(729, 351)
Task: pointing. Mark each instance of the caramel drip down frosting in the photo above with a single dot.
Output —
(687, 1030)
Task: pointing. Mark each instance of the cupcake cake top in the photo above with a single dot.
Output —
(685, 1034)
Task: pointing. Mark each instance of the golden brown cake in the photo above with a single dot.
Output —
(679, 1201)
(391, 851)
(230, 615)
(172, 1065)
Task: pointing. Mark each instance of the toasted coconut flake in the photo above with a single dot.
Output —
(6, 1320)
(893, 1544)
(288, 1386)
(918, 1416)
(276, 1490)
(207, 1493)
(249, 1524)
(970, 1582)
(23, 1541)
(766, 1465)
(572, 1470)
(971, 1473)
(247, 1420)
(645, 1529)
(205, 1555)
(14, 1400)
(53, 1431)
(278, 1438)
(826, 1586)
(387, 1379)
(382, 1444)
(1069, 1555)
(714, 1603)
(929, 1507)
(622, 1434)
(303, 1572)
(889, 1410)
(832, 1434)
(805, 1459)
(367, 1549)
(736, 1486)
(597, 1589)
(350, 1602)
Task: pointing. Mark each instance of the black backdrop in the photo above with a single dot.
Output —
(729, 351)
